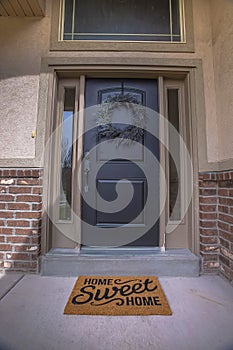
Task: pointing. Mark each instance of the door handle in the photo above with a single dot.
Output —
(86, 169)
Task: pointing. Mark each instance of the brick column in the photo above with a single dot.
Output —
(225, 223)
(209, 241)
(20, 219)
(216, 222)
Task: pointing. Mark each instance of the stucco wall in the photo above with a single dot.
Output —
(23, 42)
(222, 27)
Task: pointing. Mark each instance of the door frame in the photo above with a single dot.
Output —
(54, 73)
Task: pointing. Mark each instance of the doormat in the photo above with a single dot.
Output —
(117, 296)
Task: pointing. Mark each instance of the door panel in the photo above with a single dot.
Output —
(112, 166)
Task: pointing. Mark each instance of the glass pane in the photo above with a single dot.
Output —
(65, 199)
(131, 20)
(68, 17)
(175, 16)
(174, 169)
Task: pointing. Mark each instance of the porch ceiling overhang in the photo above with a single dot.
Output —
(22, 8)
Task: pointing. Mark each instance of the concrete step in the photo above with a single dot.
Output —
(70, 262)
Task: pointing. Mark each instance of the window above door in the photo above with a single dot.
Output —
(123, 20)
(116, 25)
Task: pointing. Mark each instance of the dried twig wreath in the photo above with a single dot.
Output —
(110, 131)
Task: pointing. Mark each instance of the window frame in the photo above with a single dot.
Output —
(187, 45)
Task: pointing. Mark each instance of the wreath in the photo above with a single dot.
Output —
(128, 134)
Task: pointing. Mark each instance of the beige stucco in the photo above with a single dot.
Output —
(18, 100)
(24, 41)
(222, 25)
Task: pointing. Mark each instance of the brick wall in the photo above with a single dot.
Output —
(216, 222)
(20, 219)
(21, 214)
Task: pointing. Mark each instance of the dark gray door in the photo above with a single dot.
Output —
(111, 162)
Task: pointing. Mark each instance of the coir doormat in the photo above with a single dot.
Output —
(116, 296)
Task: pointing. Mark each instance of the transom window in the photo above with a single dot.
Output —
(123, 20)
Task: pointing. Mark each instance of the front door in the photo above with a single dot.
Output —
(118, 175)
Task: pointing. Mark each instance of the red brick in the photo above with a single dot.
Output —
(223, 192)
(209, 257)
(213, 176)
(37, 190)
(1, 256)
(19, 189)
(36, 240)
(208, 192)
(209, 248)
(18, 223)
(2, 206)
(13, 173)
(2, 223)
(226, 201)
(20, 173)
(227, 253)
(225, 183)
(27, 172)
(223, 226)
(226, 218)
(208, 208)
(226, 176)
(227, 272)
(6, 172)
(6, 215)
(210, 266)
(28, 215)
(224, 260)
(212, 184)
(36, 223)
(33, 182)
(34, 256)
(19, 206)
(6, 231)
(25, 265)
(205, 176)
(37, 206)
(224, 243)
(3, 189)
(209, 231)
(226, 235)
(209, 240)
(208, 200)
(208, 224)
(18, 256)
(6, 197)
(208, 216)
(223, 209)
(36, 172)
(18, 239)
(28, 198)
(23, 231)
(5, 247)
(2, 239)
(24, 248)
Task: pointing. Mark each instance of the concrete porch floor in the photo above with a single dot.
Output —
(31, 317)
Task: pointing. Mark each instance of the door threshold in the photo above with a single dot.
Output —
(73, 262)
(119, 251)
(104, 251)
